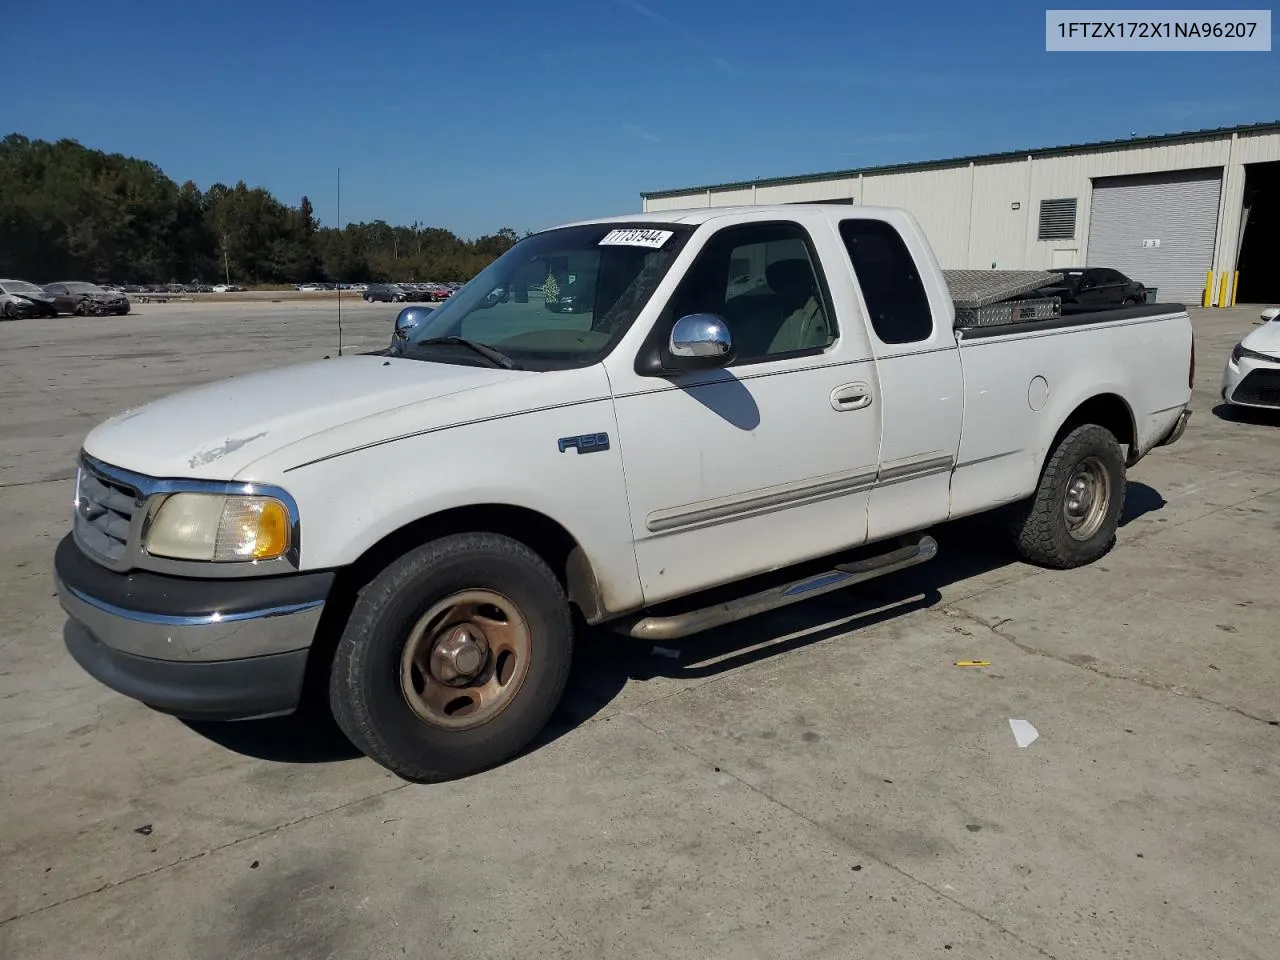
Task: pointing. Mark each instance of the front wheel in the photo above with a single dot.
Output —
(454, 657)
(1072, 518)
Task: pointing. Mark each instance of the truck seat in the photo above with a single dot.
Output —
(790, 317)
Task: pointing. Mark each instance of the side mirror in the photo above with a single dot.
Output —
(701, 340)
(408, 319)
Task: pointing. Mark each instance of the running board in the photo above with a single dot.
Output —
(841, 576)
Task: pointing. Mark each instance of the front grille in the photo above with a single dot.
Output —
(104, 513)
(1261, 387)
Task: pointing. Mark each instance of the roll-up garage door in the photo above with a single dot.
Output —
(1157, 228)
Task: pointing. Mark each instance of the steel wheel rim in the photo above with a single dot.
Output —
(1088, 496)
(465, 659)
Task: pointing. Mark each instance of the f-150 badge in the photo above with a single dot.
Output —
(586, 443)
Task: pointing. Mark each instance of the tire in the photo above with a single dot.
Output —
(1041, 525)
(367, 684)
(10, 312)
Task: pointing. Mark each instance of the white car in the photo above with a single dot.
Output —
(1252, 376)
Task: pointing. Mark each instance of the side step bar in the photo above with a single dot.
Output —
(841, 576)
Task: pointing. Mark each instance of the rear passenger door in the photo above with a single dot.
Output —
(918, 366)
(770, 460)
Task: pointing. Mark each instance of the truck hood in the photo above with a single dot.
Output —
(214, 431)
(1266, 339)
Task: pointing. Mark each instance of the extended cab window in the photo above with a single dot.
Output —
(764, 280)
(896, 301)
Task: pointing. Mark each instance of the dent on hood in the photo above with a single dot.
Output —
(209, 455)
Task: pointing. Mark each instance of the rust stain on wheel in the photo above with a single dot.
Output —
(465, 659)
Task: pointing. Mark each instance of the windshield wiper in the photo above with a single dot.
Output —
(490, 354)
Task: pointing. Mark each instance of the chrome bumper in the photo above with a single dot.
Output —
(215, 649)
(193, 638)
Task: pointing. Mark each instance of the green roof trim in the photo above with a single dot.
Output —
(977, 158)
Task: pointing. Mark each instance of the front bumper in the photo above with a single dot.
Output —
(202, 649)
(34, 308)
(1252, 383)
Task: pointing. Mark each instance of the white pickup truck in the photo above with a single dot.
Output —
(659, 423)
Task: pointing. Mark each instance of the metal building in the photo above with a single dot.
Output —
(1163, 209)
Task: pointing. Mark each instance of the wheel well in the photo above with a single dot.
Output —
(540, 533)
(1106, 410)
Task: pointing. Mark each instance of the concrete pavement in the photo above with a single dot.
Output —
(817, 782)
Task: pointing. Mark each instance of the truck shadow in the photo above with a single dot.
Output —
(308, 736)
(1139, 500)
(607, 663)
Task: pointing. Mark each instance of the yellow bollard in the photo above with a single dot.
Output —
(1235, 286)
(1207, 299)
(1222, 290)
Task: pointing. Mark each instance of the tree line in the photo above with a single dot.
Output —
(71, 213)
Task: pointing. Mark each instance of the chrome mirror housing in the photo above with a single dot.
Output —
(408, 319)
(701, 337)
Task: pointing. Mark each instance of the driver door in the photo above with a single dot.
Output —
(767, 461)
(61, 298)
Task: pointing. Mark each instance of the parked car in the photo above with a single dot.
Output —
(20, 299)
(86, 299)
(385, 293)
(1096, 288)
(698, 459)
(1252, 374)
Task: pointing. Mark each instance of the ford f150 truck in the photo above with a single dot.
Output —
(419, 529)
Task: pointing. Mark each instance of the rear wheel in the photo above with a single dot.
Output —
(1072, 518)
(454, 657)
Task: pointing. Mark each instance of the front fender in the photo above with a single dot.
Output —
(349, 503)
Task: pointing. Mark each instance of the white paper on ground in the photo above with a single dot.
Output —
(1023, 733)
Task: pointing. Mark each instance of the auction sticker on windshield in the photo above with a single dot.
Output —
(637, 238)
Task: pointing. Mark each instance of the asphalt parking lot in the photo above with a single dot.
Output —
(819, 782)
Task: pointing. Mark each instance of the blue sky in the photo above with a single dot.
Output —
(493, 113)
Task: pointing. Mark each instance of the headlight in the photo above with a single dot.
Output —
(18, 299)
(218, 528)
(1241, 352)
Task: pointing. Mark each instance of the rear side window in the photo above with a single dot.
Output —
(896, 302)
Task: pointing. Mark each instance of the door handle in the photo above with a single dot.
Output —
(851, 396)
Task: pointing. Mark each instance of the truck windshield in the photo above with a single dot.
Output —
(555, 300)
